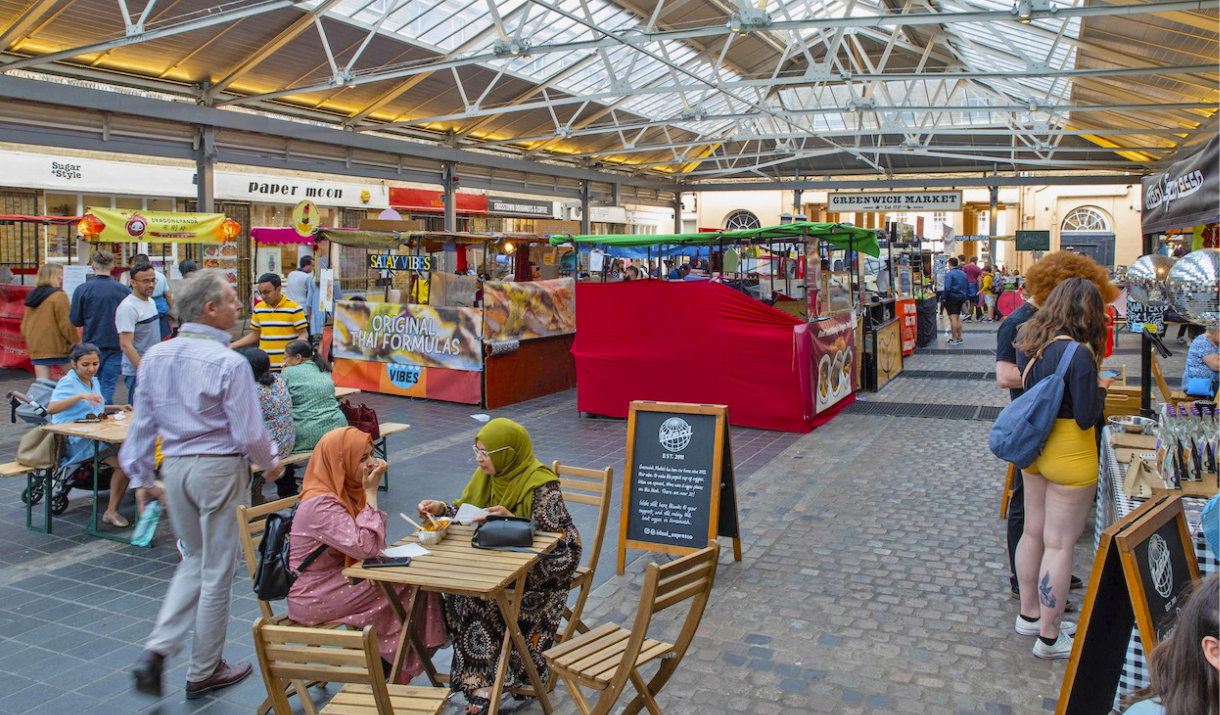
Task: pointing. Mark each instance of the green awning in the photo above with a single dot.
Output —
(860, 239)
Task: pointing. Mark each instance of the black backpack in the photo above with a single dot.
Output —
(273, 578)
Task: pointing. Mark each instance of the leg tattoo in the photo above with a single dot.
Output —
(1045, 594)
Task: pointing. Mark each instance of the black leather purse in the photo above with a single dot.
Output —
(507, 533)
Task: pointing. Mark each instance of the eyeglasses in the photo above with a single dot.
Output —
(486, 454)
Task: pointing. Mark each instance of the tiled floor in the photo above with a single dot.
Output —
(874, 577)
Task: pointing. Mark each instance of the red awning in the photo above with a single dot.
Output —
(19, 218)
(426, 201)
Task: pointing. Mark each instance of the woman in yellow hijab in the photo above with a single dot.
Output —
(509, 481)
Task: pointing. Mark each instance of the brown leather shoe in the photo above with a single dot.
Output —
(147, 672)
(224, 676)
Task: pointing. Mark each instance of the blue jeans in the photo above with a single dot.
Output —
(130, 382)
(108, 371)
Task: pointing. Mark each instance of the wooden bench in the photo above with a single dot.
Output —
(33, 476)
(382, 451)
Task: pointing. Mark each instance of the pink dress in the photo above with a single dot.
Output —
(322, 594)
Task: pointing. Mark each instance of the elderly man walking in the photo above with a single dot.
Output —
(199, 397)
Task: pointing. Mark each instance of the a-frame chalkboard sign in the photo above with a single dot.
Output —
(1144, 565)
(678, 489)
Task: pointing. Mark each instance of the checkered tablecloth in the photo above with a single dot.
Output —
(1113, 505)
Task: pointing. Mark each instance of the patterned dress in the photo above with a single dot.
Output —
(477, 627)
(322, 594)
(315, 411)
(276, 405)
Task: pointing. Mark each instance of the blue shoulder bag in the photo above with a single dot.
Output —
(1021, 429)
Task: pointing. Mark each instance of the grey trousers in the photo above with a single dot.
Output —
(201, 496)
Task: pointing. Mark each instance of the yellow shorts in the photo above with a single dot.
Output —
(1069, 456)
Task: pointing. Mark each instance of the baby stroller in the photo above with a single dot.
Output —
(30, 408)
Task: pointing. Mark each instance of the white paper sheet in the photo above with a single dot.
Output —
(467, 513)
(412, 550)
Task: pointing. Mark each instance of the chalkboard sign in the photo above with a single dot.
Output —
(678, 491)
(1144, 565)
(1033, 240)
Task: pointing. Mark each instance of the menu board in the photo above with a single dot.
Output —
(222, 256)
(1144, 565)
(679, 476)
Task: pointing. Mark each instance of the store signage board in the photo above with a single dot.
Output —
(896, 201)
(1033, 240)
(1144, 565)
(511, 206)
(395, 262)
(678, 488)
(72, 174)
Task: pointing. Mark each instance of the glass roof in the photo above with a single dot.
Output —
(461, 28)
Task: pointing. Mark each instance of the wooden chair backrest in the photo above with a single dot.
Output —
(250, 520)
(288, 653)
(1161, 384)
(588, 486)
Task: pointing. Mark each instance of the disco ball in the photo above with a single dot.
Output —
(1146, 279)
(1193, 287)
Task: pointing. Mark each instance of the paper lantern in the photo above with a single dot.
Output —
(230, 229)
(1146, 279)
(1193, 287)
(90, 225)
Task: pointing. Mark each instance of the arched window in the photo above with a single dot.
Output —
(741, 219)
(1086, 218)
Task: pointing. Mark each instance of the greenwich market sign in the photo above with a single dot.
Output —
(901, 201)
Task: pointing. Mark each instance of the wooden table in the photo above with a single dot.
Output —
(457, 568)
(108, 431)
(341, 392)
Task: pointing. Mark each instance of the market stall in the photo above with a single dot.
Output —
(22, 267)
(409, 328)
(715, 340)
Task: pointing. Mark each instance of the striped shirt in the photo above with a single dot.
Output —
(199, 397)
(277, 327)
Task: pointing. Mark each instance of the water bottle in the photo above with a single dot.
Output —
(147, 525)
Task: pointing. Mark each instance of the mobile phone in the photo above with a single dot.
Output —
(385, 562)
(1107, 374)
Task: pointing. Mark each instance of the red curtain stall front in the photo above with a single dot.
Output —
(693, 341)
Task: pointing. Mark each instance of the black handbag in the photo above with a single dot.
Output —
(273, 578)
(507, 533)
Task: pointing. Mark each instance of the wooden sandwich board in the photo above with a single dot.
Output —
(1145, 563)
(678, 489)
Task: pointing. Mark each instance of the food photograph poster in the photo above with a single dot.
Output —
(408, 334)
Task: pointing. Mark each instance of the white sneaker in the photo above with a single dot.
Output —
(1061, 649)
(1033, 628)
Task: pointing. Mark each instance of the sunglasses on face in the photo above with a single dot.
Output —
(486, 454)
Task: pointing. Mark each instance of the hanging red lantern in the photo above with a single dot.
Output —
(230, 229)
(90, 225)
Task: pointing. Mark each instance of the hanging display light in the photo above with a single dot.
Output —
(229, 229)
(507, 247)
(1146, 279)
(90, 225)
(1193, 287)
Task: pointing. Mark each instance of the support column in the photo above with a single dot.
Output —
(991, 221)
(1146, 349)
(797, 195)
(678, 212)
(585, 225)
(205, 170)
(449, 177)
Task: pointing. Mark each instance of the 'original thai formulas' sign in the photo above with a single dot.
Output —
(678, 491)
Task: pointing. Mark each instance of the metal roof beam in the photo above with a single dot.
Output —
(921, 182)
(20, 28)
(217, 18)
(290, 33)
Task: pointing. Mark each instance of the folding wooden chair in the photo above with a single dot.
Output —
(607, 656)
(295, 653)
(585, 486)
(1167, 393)
(251, 521)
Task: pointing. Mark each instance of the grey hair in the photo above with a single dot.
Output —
(202, 287)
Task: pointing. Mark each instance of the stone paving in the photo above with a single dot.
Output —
(874, 576)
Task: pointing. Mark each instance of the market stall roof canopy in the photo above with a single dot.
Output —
(860, 239)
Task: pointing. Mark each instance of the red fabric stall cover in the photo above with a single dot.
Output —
(691, 341)
(12, 343)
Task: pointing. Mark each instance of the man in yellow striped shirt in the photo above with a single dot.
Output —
(276, 322)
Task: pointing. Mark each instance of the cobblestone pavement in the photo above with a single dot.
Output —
(874, 576)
